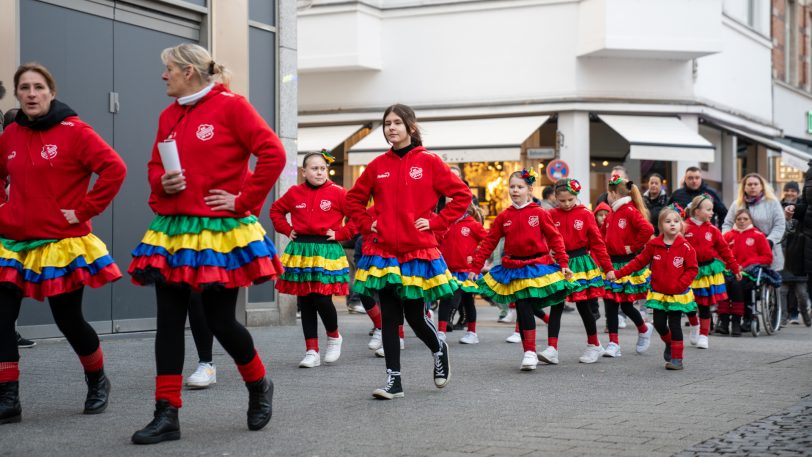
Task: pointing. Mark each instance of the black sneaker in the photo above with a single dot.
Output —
(442, 366)
(164, 427)
(24, 343)
(392, 389)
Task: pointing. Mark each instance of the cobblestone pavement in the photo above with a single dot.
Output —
(788, 433)
(630, 406)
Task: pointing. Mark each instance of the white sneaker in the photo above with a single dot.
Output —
(549, 355)
(702, 342)
(333, 351)
(591, 354)
(310, 360)
(379, 352)
(621, 321)
(693, 337)
(204, 376)
(469, 338)
(356, 308)
(509, 318)
(376, 341)
(529, 361)
(402, 344)
(514, 338)
(612, 350)
(644, 339)
(441, 336)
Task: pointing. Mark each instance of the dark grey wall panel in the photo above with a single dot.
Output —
(263, 11)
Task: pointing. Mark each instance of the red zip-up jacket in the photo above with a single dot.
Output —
(406, 189)
(215, 138)
(673, 268)
(623, 227)
(580, 230)
(528, 231)
(708, 243)
(313, 211)
(460, 242)
(50, 171)
(749, 247)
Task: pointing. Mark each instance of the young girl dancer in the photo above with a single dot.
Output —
(673, 268)
(404, 265)
(709, 285)
(458, 245)
(626, 230)
(750, 248)
(583, 241)
(316, 267)
(528, 275)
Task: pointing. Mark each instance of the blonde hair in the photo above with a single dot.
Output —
(768, 190)
(195, 56)
(664, 213)
(694, 205)
(626, 188)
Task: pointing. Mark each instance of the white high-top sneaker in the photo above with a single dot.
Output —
(333, 351)
(612, 350)
(514, 338)
(549, 355)
(591, 354)
(644, 339)
(204, 376)
(529, 361)
(702, 342)
(693, 337)
(376, 341)
(310, 360)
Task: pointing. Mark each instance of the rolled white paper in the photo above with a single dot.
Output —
(168, 150)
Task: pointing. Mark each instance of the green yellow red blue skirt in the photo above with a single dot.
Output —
(587, 279)
(44, 268)
(683, 302)
(314, 265)
(519, 279)
(628, 288)
(466, 284)
(420, 274)
(709, 285)
(204, 251)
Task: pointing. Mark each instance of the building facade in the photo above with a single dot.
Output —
(105, 57)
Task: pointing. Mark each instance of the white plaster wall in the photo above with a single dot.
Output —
(739, 10)
(790, 111)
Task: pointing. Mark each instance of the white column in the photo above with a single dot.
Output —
(729, 167)
(573, 128)
(678, 167)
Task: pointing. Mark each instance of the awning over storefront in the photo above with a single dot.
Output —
(314, 139)
(457, 141)
(790, 155)
(660, 138)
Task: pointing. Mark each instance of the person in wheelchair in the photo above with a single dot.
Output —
(752, 250)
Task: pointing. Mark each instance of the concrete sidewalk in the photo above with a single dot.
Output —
(626, 406)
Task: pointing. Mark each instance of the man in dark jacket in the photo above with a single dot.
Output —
(694, 186)
(803, 214)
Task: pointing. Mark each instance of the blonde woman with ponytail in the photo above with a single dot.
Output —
(626, 231)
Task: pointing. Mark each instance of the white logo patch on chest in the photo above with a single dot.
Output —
(48, 152)
(465, 231)
(708, 236)
(12, 155)
(205, 132)
(678, 261)
(750, 241)
(621, 223)
(416, 172)
(578, 224)
(533, 221)
(325, 205)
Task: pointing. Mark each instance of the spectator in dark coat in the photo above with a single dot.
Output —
(803, 214)
(655, 199)
(693, 186)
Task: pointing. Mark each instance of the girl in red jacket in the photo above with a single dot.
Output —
(530, 275)
(709, 285)
(626, 230)
(47, 250)
(316, 267)
(458, 245)
(673, 268)
(750, 249)
(404, 265)
(583, 241)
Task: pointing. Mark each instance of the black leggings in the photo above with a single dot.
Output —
(204, 338)
(393, 310)
(554, 325)
(67, 312)
(368, 302)
(663, 321)
(611, 310)
(585, 310)
(448, 305)
(704, 312)
(321, 305)
(219, 306)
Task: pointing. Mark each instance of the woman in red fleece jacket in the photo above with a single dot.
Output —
(46, 246)
(673, 269)
(530, 275)
(626, 230)
(316, 267)
(204, 237)
(751, 249)
(405, 267)
(458, 245)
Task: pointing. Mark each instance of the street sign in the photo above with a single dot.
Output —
(557, 169)
(541, 153)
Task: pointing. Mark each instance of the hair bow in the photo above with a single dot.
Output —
(327, 157)
(529, 176)
(679, 209)
(615, 179)
(573, 186)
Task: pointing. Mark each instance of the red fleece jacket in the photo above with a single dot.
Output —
(580, 230)
(673, 268)
(313, 211)
(626, 227)
(460, 242)
(707, 240)
(749, 247)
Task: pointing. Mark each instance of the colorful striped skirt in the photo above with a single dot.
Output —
(314, 265)
(420, 274)
(519, 279)
(464, 283)
(683, 302)
(709, 285)
(628, 288)
(205, 251)
(44, 268)
(587, 278)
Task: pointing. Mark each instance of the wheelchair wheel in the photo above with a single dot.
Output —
(770, 310)
(754, 326)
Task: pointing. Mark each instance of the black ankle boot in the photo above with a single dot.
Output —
(722, 324)
(260, 403)
(10, 410)
(98, 392)
(736, 326)
(164, 427)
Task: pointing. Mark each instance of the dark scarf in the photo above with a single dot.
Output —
(56, 114)
(750, 201)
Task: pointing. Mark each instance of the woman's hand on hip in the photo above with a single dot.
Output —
(70, 216)
(422, 224)
(220, 200)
